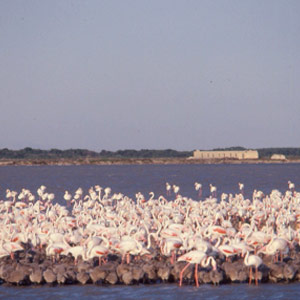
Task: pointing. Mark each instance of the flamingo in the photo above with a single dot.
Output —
(41, 191)
(98, 251)
(22, 195)
(192, 257)
(126, 245)
(252, 261)
(256, 239)
(241, 246)
(258, 195)
(76, 252)
(198, 187)
(215, 230)
(176, 189)
(276, 245)
(98, 189)
(67, 197)
(31, 197)
(107, 191)
(169, 247)
(11, 248)
(291, 186)
(213, 191)
(228, 251)
(57, 245)
(78, 194)
(241, 188)
(168, 188)
(11, 195)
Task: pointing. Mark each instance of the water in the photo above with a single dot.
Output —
(161, 291)
(145, 178)
(130, 179)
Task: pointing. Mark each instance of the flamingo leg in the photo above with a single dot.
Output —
(250, 275)
(200, 194)
(256, 276)
(128, 258)
(173, 257)
(196, 275)
(181, 274)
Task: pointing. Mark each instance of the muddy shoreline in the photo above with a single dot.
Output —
(135, 161)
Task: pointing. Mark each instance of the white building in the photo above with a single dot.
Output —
(278, 157)
(239, 154)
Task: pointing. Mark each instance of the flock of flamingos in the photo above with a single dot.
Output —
(103, 236)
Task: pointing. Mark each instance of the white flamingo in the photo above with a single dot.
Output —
(198, 188)
(67, 197)
(252, 261)
(213, 190)
(291, 186)
(168, 188)
(241, 188)
(176, 189)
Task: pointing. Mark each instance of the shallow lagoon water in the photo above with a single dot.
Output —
(130, 179)
(157, 291)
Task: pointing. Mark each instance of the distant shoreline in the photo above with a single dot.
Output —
(136, 161)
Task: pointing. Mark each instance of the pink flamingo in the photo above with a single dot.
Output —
(170, 246)
(193, 257)
(276, 245)
(98, 251)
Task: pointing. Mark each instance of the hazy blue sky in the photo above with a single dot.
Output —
(149, 74)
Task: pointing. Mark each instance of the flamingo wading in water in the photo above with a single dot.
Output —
(193, 257)
(252, 261)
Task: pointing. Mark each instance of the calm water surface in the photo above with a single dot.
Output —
(160, 291)
(145, 178)
(130, 179)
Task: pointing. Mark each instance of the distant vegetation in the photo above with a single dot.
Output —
(29, 153)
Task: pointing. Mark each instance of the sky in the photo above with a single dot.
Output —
(139, 74)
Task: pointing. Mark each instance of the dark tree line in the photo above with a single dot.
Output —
(29, 153)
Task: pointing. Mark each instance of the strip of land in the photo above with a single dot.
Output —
(29, 156)
(136, 161)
